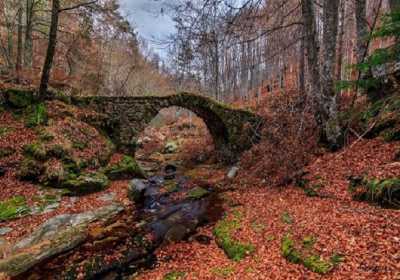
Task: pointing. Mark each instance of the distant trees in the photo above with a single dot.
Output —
(258, 46)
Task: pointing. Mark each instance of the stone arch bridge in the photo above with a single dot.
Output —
(233, 130)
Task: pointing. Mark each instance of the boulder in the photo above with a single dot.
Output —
(136, 190)
(233, 172)
(86, 183)
(126, 168)
(57, 235)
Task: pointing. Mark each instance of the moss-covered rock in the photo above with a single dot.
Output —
(174, 275)
(224, 232)
(13, 208)
(19, 98)
(197, 193)
(6, 152)
(126, 168)
(30, 169)
(54, 173)
(385, 192)
(382, 118)
(86, 183)
(305, 256)
(36, 151)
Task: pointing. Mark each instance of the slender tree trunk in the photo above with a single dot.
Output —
(51, 48)
(329, 98)
(362, 30)
(18, 63)
(340, 40)
(312, 48)
(394, 5)
(302, 66)
(28, 44)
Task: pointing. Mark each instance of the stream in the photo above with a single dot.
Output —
(169, 207)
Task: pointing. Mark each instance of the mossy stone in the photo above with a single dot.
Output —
(6, 152)
(126, 168)
(234, 249)
(30, 169)
(36, 151)
(13, 208)
(86, 183)
(197, 193)
(20, 98)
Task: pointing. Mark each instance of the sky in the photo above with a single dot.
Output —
(150, 23)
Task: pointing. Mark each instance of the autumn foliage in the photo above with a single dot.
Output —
(287, 140)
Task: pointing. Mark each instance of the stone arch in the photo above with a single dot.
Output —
(125, 117)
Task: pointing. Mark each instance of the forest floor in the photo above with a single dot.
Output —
(358, 240)
(366, 237)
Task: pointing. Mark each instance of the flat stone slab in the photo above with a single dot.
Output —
(57, 235)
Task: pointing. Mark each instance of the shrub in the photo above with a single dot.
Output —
(287, 141)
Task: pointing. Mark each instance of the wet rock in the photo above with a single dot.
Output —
(108, 197)
(56, 224)
(136, 190)
(2, 171)
(203, 239)
(5, 230)
(170, 172)
(233, 172)
(59, 234)
(127, 168)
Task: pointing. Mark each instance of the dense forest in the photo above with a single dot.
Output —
(256, 140)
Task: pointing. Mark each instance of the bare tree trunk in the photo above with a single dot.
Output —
(340, 40)
(312, 47)
(18, 63)
(28, 44)
(394, 5)
(302, 68)
(51, 48)
(329, 98)
(362, 30)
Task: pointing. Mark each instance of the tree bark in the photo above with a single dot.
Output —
(362, 30)
(312, 48)
(28, 44)
(18, 63)
(394, 5)
(51, 48)
(329, 98)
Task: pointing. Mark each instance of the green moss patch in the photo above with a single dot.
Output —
(197, 193)
(223, 272)
(306, 257)
(126, 168)
(174, 275)
(36, 151)
(224, 232)
(36, 115)
(6, 152)
(19, 98)
(5, 130)
(86, 183)
(383, 117)
(287, 218)
(14, 207)
(30, 169)
(385, 192)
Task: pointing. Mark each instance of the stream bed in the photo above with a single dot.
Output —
(168, 208)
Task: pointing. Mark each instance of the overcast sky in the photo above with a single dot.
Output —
(146, 16)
